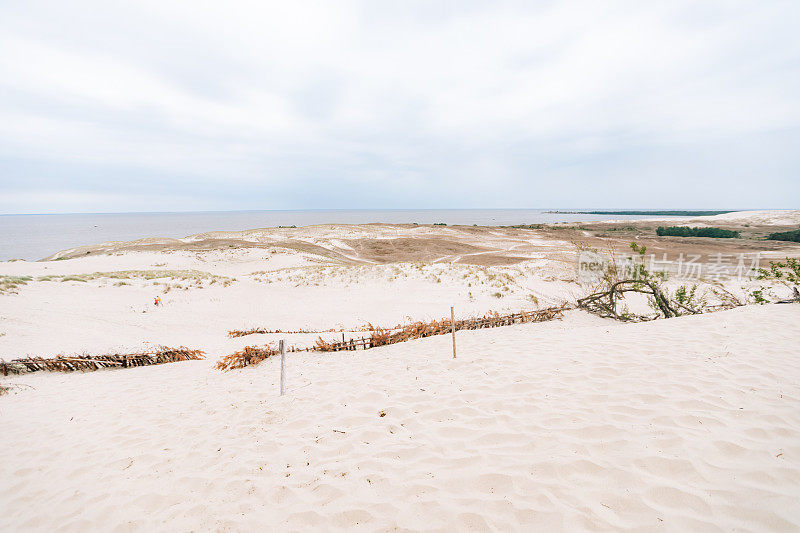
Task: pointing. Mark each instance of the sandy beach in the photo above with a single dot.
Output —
(581, 423)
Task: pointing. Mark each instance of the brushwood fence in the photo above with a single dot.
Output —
(381, 337)
(251, 355)
(95, 362)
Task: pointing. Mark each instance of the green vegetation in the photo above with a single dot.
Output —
(9, 284)
(73, 278)
(683, 231)
(619, 279)
(439, 224)
(787, 271)
(689, 299)
(758, 296)
(792, 236)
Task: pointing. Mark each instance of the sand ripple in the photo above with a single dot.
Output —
(678, 425)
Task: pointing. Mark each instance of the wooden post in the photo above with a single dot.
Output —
(283, 366)
(453, 327)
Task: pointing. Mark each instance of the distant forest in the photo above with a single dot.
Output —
(793, 236)
(683, 231)
(648, 213)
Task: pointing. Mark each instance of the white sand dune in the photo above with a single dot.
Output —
(688, 424)
(774, 217)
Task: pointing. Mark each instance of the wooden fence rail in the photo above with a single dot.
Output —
(418, 330)
(94, 362)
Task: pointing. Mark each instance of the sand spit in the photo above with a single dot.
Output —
(683, 424)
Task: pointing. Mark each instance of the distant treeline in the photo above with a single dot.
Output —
(648, 213)
(793, 236)
(683, 231)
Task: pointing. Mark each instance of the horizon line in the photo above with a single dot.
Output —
(566, 210)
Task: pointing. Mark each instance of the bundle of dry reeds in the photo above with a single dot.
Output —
(71, 363)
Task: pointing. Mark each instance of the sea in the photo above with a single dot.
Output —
(33, 237)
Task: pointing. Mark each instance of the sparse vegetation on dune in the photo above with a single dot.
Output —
(607, 298)
(508, 280)
(188, 277)
(786, 273)
(791, 236)
(181, 275)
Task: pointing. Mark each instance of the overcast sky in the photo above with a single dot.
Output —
(173, 106)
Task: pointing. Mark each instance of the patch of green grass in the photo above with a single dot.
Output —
(179, 275)
(73, 278)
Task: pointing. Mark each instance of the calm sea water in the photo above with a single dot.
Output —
(33, 237)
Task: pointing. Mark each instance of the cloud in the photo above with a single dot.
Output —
(253, 105)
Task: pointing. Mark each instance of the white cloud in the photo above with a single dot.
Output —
(257, 104)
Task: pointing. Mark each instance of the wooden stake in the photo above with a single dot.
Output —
(453, 327)
(283, 366)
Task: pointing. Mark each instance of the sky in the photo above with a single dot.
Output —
(184, 106)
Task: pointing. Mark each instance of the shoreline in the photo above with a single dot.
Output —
(33, 238)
